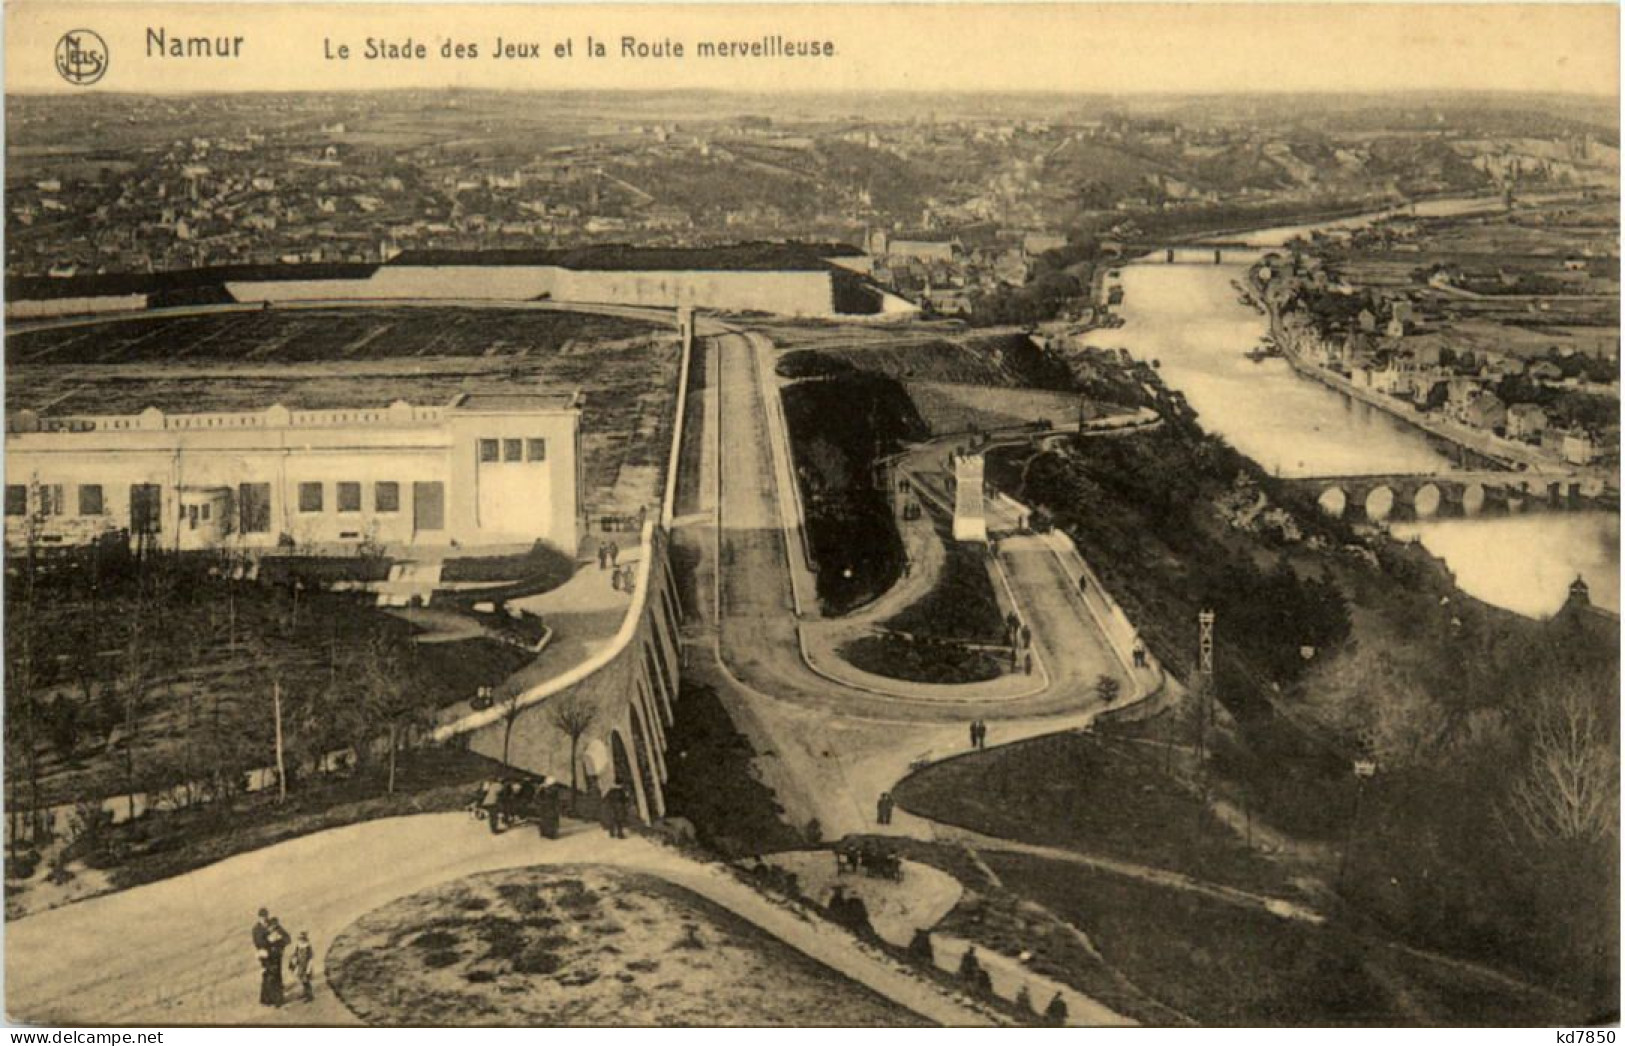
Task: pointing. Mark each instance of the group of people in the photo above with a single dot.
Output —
(869, 858)
(1020, 638)
(508, 803)
(883, 808)
(271, 943)
(978, 734)
(624, 578)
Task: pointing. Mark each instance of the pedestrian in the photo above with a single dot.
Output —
(973, 733)
(1055, 1012)
(276, 942)
(1139, 653)
(615, 579)
(981, 733)
(261, 934)
(299, 963)
(615, 808)
(1026, 636)
(1029, 662)
(883, 809)
(545, 810)
(603, 556)
(1083, 582)
(614, 554)
(491, 803)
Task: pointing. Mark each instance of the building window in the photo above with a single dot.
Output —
(513, 450)
(386, 497)
(90, 499)
(50, 499)
(16, 499)
(536, 450)
(254, 508)
(349, 497)
(310, 497)
(488, 450)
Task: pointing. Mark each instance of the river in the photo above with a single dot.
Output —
(1188, 318)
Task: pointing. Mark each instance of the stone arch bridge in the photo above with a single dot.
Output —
(1426, 495)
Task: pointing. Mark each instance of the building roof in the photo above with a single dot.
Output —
(510, 402)
(751, 257)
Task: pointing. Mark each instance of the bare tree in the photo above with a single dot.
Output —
(510, 699)
(1569, 790)
(573, 714)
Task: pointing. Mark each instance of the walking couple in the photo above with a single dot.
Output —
(270, 944)
(978, 734)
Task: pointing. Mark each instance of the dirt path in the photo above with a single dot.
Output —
(1144, 873)
(178, 951)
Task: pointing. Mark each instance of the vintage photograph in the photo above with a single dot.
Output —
(809, 515)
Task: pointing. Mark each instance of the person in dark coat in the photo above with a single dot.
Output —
(973, 734)
(545, 809)
(616, 802)
(614, 554)
(276, 943)
(262, 951)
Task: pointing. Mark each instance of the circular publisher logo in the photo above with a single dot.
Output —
(81, 57)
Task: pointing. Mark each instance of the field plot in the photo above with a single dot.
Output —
(583, 946)
(323, 358)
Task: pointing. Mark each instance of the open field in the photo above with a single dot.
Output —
(1106, 798)
(324, 358)
(583, 946)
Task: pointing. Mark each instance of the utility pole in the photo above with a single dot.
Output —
(1204, 683)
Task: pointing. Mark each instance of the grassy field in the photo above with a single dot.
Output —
(325, 358)
(929, 661)
(1224, 965)
(584, 946)
(1101, 797)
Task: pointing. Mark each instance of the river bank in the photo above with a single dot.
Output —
(1501, 453)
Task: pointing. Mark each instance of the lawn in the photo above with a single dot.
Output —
(584, 946)
(1097, 796)
(920, 661)
(1220, 964)
(962, 604)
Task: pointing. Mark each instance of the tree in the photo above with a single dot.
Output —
(573, 714)
(392, 697)
(1569, 788)
(510, 698)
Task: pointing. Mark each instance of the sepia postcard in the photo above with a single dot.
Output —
(811, 515)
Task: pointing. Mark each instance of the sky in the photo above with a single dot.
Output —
(1114, 48)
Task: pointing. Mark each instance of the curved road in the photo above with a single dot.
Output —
(763, 580)
(178, 951)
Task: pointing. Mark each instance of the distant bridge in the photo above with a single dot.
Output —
(1209, 253)
(1425, 495)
